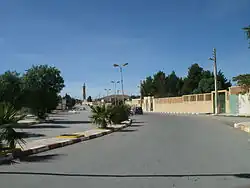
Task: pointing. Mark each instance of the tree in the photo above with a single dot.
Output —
(247, 31)
(206, 84)
(9, 118)
(11, 89)
(243, 80)
(159, 84)
(173, 85)
(70, 102)
(198, 80)
(191, 82)
(89, 99)
(42, 85)
(134, 97)
(101, 115)
(147, 87)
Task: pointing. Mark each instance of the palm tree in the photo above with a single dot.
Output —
(8, 119)
(101, 115)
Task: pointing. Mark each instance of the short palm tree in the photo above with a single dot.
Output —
(8, 119)
(101, 115)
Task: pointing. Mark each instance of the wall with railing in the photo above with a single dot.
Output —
(200, 103)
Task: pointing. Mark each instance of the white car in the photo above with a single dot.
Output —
(73, 111)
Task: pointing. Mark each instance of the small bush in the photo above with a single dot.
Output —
(119, 113)
(9, 118)
(101, 115)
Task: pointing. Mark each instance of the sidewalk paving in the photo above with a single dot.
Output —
(41, 145)
(244, 126)
(232, 115)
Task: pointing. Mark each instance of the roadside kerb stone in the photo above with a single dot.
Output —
(179, 113)
(244, 126)
(43, 145)
(8, 157)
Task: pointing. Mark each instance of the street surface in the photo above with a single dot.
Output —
(154, 145)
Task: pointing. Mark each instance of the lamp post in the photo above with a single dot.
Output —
(115, 82)
(215, 80)
(120, 67)
(140, 89)
(107, 90)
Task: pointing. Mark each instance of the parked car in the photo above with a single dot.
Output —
(137, 110)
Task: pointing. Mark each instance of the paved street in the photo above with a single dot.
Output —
(154, 145)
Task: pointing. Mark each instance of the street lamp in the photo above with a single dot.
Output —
(115, 82)
(107, 90)
(215, 80)
(120, 67)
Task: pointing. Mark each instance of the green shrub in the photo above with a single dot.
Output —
(101, 115)
(119, 113)
(9, 118)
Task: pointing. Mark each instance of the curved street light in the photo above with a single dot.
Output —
(120, 67)
(115, 82)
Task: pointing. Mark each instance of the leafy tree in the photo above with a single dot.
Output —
(11, 89)
(70, 102)
(223, 83)
(206, 84)
(89, 99)
(198, 80)
(147, 87)
(191, 82)
(243, 80)
(172, 85)
(159, 83)
(42, 85)
(134, 97)
(247, 31)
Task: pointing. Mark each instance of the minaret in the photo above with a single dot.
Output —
(84, 92)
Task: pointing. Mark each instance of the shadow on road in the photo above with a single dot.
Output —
(237, 175)
(34, 158)
(136, 125)
(138, 122)
(68, 122)
(40, 158)
(40, 126)
(30, 135)
(127, 130)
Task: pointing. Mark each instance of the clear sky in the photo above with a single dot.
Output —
(84, 38)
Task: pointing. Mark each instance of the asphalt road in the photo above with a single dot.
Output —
(157, 151)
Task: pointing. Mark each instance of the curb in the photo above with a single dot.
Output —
(63, 143)
(237, 115)
(181, 113)
(6, 158)
(242, 127)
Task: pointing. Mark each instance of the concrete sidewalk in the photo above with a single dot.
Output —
(244, 126)
(42, 145)
(232, 115)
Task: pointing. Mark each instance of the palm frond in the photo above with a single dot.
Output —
(8, 119)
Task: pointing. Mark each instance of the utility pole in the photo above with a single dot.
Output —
(215, 81)
(141, 93)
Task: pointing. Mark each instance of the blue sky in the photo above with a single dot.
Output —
(84, 38)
